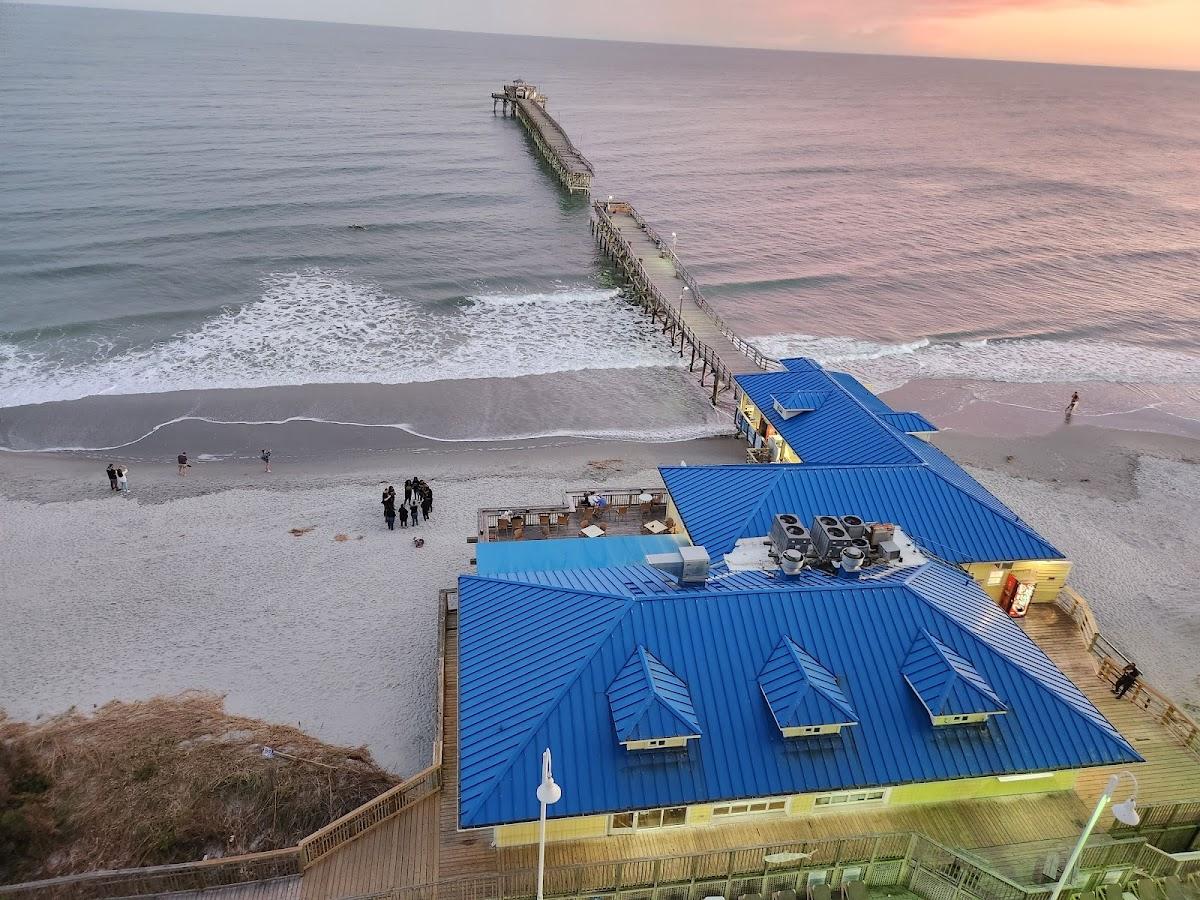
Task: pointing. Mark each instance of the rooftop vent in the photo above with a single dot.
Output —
(687, 565)
(797, 402)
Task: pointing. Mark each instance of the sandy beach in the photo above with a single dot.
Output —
(198, 582)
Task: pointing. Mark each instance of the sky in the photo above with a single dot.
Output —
(1149, 33)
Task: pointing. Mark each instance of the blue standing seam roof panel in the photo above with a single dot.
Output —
(492, 558)
(909, 422)
(946, 683)
(649, 702)
(953, 518)
(524, 686)
(800, 691)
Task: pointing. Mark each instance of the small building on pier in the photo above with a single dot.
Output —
(753, 696)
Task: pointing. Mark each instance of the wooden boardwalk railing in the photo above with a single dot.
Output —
(1111, 659)
(190, 876)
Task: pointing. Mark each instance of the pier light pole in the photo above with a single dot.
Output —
(674, 237)
(1124, 812)
(547, 793)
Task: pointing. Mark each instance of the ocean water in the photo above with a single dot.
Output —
(176, 194)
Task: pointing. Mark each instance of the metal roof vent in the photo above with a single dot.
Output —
(797, 402)
(687, 565)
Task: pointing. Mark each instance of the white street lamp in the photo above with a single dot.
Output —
(547, 793)
(682, 294)
(1125, 812)
(674, 237)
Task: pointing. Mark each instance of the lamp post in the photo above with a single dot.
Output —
(1125, 812)
(547, 793)
(674, 237)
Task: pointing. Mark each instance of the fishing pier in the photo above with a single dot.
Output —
(657, 278)
(670, 295)
(528, 104)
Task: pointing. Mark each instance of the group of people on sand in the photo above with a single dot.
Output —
(118, 478)
(416, 504)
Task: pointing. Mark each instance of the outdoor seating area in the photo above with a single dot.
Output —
(582, 513)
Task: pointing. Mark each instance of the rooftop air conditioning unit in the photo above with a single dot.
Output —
(829, 537)
(687, 565)
(787, 533)
(854, 526)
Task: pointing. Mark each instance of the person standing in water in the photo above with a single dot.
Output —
(111, 471)
(265, 456)
(1074, 403)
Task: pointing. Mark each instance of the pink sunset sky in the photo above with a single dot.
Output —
(1152, 33)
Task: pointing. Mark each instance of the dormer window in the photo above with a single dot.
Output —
(948, 685)
(796, 402)
(804, 697)
(651, 706)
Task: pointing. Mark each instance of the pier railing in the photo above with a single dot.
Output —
(660, 305)
(747, 349)
(1111, 659)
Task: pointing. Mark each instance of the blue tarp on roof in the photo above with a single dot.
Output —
(570, 553)
(538, 652)
(947, 684)
(801, 691)
(937, 504)
(648, 701)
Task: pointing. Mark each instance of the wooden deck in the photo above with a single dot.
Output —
(423, 844)
(273, 889)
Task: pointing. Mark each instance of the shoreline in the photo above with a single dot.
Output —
(198, 582)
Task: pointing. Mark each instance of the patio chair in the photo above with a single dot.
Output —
(647, 506)
(785, 894)
(1146, 889)
(670, 523)
(518, 530)
(585, 517)
(1172, 887)
(503, 524)
(544, 522)
(854, 890)
(1086, 895)
(621, 510)
(564, 519)
(820, 892)
(1112, 892)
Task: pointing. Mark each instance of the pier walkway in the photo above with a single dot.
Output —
(529, 106)
(664, 286)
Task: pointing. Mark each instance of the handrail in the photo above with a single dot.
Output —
(627, 497)
(187, 876)
(1111, 660)
(749, 350)
(536, 111)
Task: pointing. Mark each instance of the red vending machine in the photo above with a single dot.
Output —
(1016, 596)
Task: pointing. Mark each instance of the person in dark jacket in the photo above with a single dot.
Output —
(112, 477)
(389, 507)
(1128, 677)
(407, 490)
(403, 515)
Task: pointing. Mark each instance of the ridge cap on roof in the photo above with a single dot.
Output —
(549, 707)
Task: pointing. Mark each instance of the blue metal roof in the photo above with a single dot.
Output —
(539, 651)
(801, 691)
(846, 424)
(648, 701)
(936, 503)
(908, 422)
(947, 684)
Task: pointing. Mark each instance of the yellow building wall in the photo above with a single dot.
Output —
(673, 513)
(556, 830)
(1048, 574)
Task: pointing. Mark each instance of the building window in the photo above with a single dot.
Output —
(851, 798)
(669, 817)
(750, 808)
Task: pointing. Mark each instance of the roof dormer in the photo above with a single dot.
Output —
(651, 707)
(947, 684)
(795, 402)
(804, 696)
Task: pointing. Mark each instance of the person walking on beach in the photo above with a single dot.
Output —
(403, 515)
(183, 463)
(1126, 680)
(111, 471)
(1074, 403)
(428, 495)
(265, 456)
(426, 502)
(123, 479)
(389, 507)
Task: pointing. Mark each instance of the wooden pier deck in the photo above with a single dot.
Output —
(529, 106)
(671, 296)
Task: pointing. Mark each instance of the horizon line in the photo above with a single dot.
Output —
(656, 43)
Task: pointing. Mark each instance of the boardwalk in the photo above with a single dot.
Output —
(419, 844)
(529, 106)
(661, 282)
